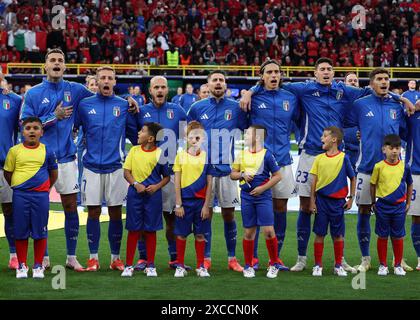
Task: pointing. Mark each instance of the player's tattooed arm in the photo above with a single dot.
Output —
(63, 112)
(133, 106)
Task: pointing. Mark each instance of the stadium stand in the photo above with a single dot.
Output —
(222, 32)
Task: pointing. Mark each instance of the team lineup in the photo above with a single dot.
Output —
(183, 158)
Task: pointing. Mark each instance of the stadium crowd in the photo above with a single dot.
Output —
(222, 32)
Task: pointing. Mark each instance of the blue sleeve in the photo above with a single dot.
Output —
(164, 170)
(270, 162)
(51, 160)
(29, 109)
(349, 169)
(297, 88)
(191, 115)
(352, 117)
(356, 93)
(403, 129)
(131, 129)
(256, 89)
(408, 178)
(243, 120)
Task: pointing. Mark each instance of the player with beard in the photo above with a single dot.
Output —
(221, 115)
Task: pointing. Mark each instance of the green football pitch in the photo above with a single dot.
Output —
(223, 284)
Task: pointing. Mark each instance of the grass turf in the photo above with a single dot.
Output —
(223, 284)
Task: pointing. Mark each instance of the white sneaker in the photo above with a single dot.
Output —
(202, 272)
(340, 271)
(317, 271)
(365, 265)
(73, 264)
(150, 272)
(180, 272)
(22, 272)
(272, 272)
(38, 273)
(300, 264)
(347, 267)
(399, 271)
(383, 271)
(128, 271)
(249, 272)
(46, 262)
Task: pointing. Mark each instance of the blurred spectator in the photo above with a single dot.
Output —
(238, 32)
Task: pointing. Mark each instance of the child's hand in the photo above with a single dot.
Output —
(139, 187)
(205, 213)
(179, 212)
(151, 189)
(312, 207)
(247, 177)
(348, 204)
(373, 208)
(257, 191)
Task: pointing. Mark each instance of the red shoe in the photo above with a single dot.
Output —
(92, 265)
(117, 264)
(13, 263)
(207, 263)
(234, 265)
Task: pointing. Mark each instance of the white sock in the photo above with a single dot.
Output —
(46, 257)
(71, 257)
(94, 256)
(230, 258)
(13, 255)
(115, 257)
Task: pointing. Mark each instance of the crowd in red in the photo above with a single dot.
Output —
(230, 32)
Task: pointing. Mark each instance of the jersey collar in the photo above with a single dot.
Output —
(54, 85)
